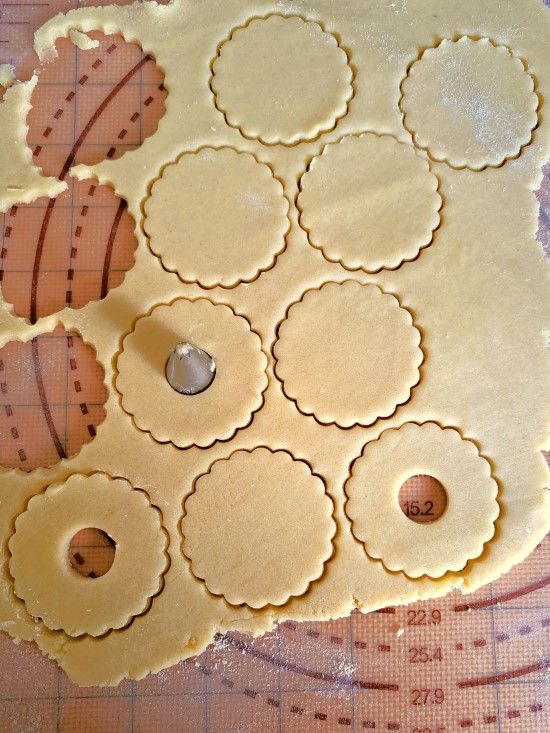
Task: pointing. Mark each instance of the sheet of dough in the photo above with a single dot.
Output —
(479, 293)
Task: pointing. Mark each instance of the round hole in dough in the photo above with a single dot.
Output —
(379, 523)
(422, 499)
(91, 552)
(42, 574)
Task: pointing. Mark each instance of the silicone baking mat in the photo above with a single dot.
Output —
(479, 662)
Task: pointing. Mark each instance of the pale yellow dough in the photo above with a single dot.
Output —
(377, 519)
(215, 414)
(217, 217)
(7, 75)
(348, 354)
(470, 103)
(82, 41)
(281, 80)
(43, 576)
(477, 301)
(369, 202)
(258, 528)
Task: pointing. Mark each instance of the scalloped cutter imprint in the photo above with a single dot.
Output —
(337, 209)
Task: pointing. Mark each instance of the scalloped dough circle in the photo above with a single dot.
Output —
(348, 354)
(369, 202)
(43, 577)
(378, 521)
(215, 414)
(469, 103)
(258, 527)
(217, 217)
(298, 85)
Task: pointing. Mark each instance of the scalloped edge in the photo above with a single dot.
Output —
(308, 584)
(295, 400)
(135, 421)
(483, 544)
(148, 601)
(425, 147)
(319, 130)
(396, 263)
(239, 280)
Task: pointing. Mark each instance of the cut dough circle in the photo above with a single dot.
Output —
(215, 414)
(298, 85)
(258, 527)
(369, 202)
(348, 354)
(378, 521)
(469, 103)
(42, 574)
(217, 217)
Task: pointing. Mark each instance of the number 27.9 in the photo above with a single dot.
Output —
(427, 697)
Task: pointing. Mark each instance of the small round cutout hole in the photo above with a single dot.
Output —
(422, 499)
(92, 552)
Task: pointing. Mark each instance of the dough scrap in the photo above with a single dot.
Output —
(348, 354)
(377, 519)
(81, 40)
(369, 202)
(7, 75)
(470, 103)
(43, 577)
(20, 180)
(258, 527)
(297, 87)
(215, 414)
(217, 217)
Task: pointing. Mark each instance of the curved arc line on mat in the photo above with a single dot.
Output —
(505, 597)
(68, 163)
(43, 398)
(109, 249)
(297, 668)
(542, 664)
